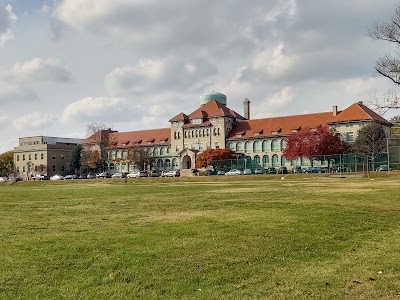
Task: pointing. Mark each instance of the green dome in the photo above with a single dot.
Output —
(207, 97)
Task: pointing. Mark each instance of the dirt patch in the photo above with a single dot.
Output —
(176, 216)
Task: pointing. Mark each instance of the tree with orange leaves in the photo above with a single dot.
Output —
(204, 158)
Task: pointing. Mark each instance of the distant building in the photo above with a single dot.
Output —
(214, 125)
(43, 155)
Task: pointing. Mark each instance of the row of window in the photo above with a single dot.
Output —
(62, 156)
(166, 164)
(40, 168)
(195, 133)
(258, 146)
(151, 151)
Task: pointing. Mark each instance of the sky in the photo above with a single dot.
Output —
(135, 64)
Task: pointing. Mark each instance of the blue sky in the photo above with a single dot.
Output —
(134, 64)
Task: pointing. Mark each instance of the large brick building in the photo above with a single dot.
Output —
(215, 125)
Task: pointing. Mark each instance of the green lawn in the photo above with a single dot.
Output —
(255, 237)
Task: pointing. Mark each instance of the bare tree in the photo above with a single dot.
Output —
(99, 139)
(388, 65)
(140, 157)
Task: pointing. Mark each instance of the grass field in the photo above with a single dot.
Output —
(201, 238)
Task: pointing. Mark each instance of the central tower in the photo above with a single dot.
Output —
(207, 97)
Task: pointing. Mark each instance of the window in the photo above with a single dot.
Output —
(349, 137)
(247, 147)
(41, 155)
(201, 147)
(265, 161)
(23, 156)
(167, 164)
(62, 155)
(196, 121)
(35, 156)
(208, 145)
(257, 160)
(54, 168)
(23, 168)
(177, 148)
(62, 168)
(216, 145)
(232, 146)
(257, 146)
(54, 156)
(29, 157)
(239, 146)
(283, 144)
(275, 160)
(275, 145)
(17, 157)
(265, 146)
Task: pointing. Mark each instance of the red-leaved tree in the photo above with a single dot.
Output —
(209, 155)
(310, 143)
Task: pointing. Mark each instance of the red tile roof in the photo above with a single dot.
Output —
(355, 112)
(213, 109)
(141, 137)
(359, 112)
(179, 117)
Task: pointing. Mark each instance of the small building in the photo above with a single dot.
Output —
(42, 155)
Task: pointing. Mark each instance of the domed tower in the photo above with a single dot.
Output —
(207, 97)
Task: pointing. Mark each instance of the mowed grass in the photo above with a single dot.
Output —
(253, 237)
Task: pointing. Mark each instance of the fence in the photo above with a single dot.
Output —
(328, 163)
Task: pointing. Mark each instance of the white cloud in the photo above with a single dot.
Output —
(38, 69)
(34, 121)
(273, 61)
(7, 20)
(95, 109)
(275, 103)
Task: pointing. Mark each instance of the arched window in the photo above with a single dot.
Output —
(266, 146)
(160, 163)
(305, 161)
(117, 154)
(265, 161)
(247, 147)
(112, 154)
(167, 164)
(162, 151)
(168, 149)
(275, 160)
(232, 146)
(275, 145)
(283, 144)
(125, 154)
(156, 152)
(239, 146)
(186, 134)
(257, 160)
(283, 161)
(200, 133)
(257, 146)
(174, 163)
(150, 152)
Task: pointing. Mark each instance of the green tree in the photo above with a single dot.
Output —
(6, 163)
(73, 164)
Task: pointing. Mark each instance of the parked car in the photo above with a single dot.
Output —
(221, 172)
(234, 172)
(383, 168)
(297, 170)
(172, 173)
(90, 176)
(314, 170)
(154, 173)
(135, 174)
(270, 170)
(258, 171)
(103, 175)
(210, 172)
(117, 175)
(247, 172)
(73, 176)
(282, 170)
(40, 177)
(57, 177)
(3, 179)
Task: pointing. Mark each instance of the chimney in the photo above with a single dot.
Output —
(246, 106)
(334, 110)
